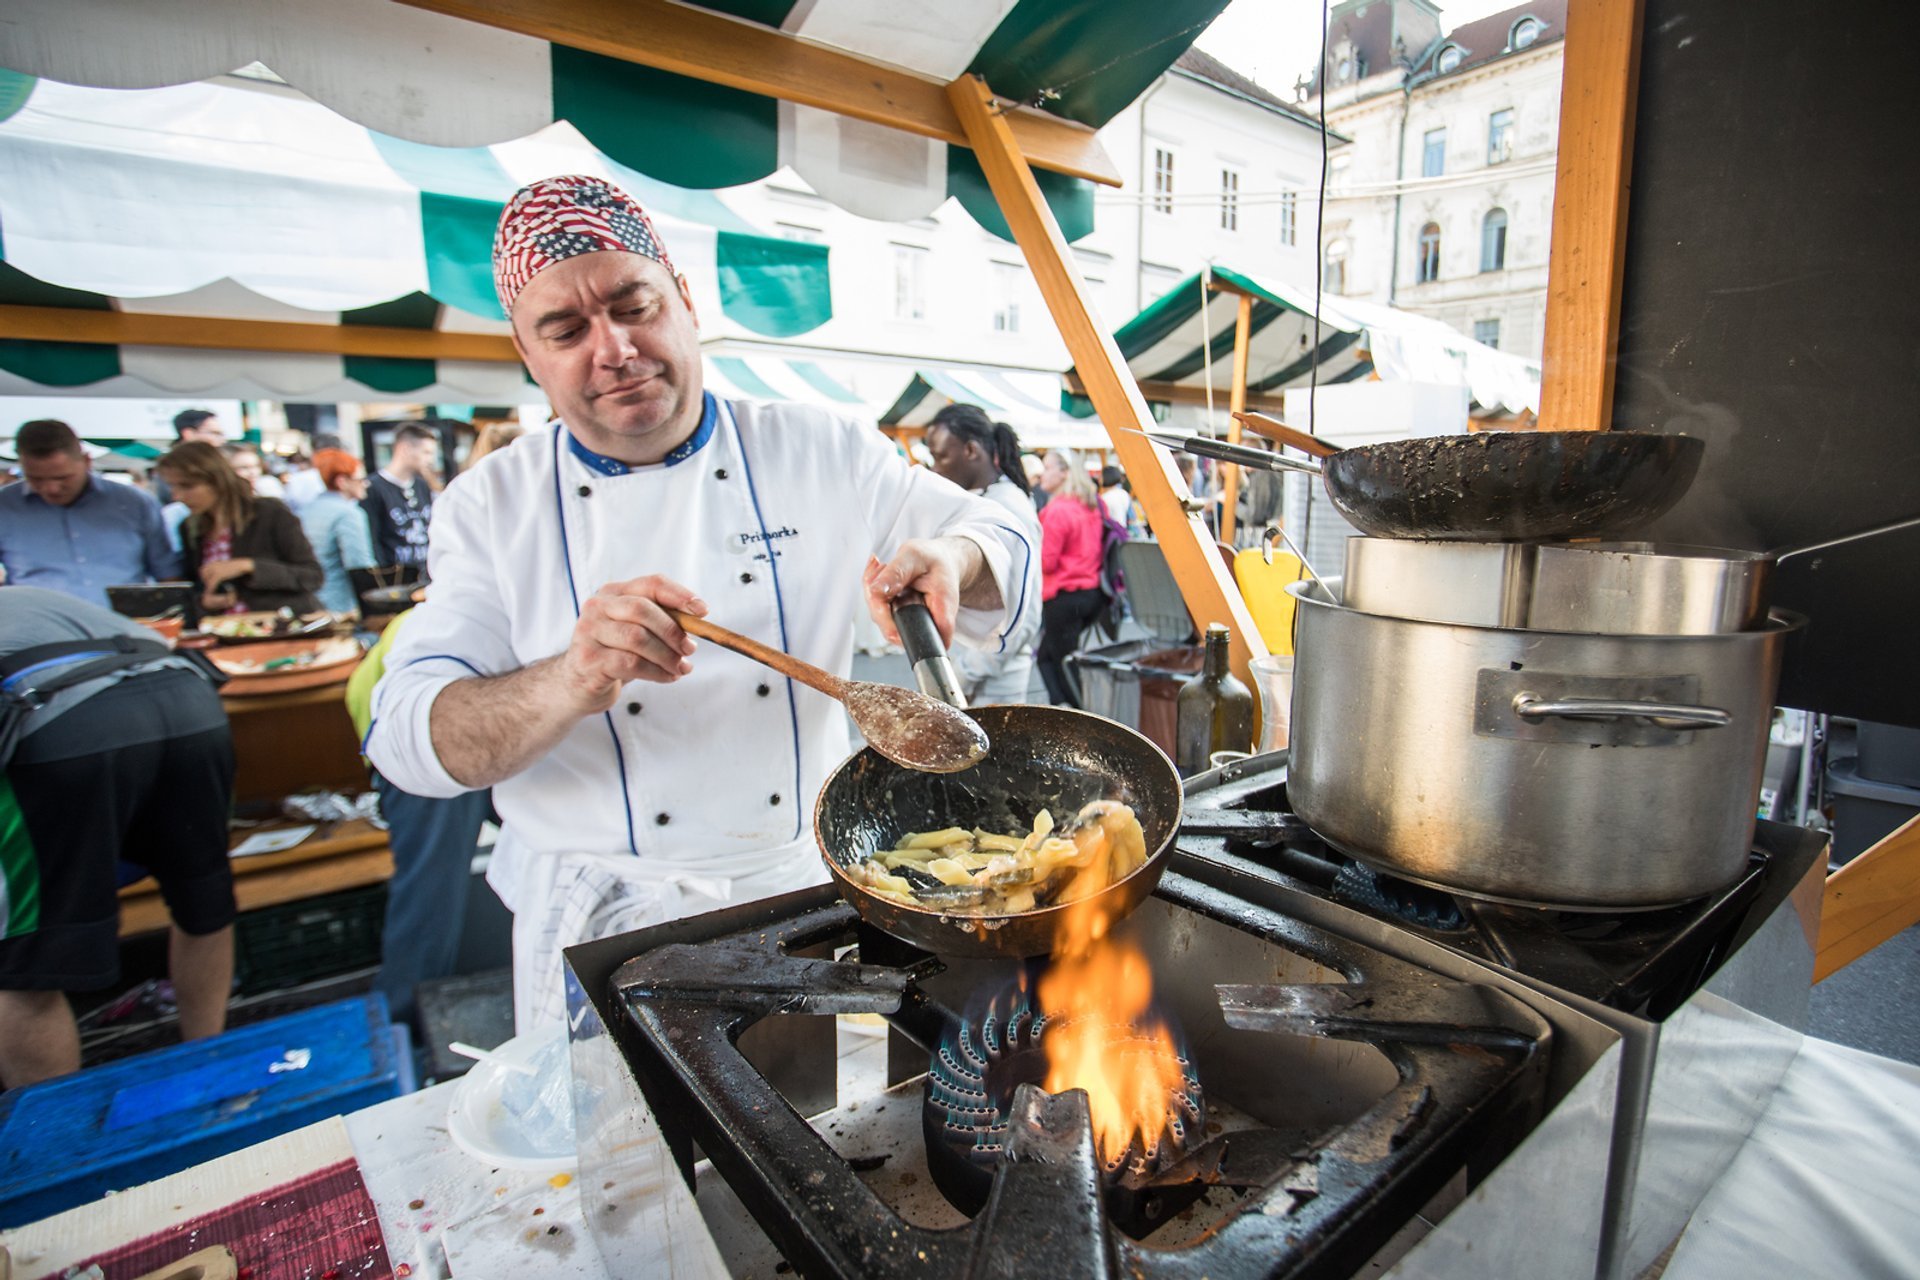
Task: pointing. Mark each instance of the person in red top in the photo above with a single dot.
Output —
(1070, 550)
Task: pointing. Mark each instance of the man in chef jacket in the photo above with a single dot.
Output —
(639, 780)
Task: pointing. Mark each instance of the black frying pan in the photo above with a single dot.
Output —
(1499, 485)
(1041, 758)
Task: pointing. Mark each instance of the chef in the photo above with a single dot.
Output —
(638, 781)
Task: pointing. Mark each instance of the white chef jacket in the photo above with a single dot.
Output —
(1002, 674)
(703, 788)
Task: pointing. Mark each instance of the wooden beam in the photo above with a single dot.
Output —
(747, 55)
(124, 328)
(1599, 84)
(1869, 900)
(1236, 403)
(1174, 393)
(1205, 584)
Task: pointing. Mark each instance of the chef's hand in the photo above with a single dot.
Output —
(624, 634)
(938, 568)
(215, 572)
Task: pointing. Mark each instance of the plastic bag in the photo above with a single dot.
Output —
(541, 1104)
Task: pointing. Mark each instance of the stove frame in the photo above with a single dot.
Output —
(1470, 1064)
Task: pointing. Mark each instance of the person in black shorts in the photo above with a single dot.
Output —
(134, 764)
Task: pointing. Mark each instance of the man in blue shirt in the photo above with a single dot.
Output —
(65, 529)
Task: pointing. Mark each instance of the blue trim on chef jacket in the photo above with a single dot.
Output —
(566, 558)
(780, 609)
(1013, 618)
(448, 657)
(601, 463)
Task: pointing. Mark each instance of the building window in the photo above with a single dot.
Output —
(1162, 180)
(1229, 200)
(909, 282)
(1500, 137)
(1337, 173)
(1450, 58)
(1493, 240)
(1429, 253)
(1289, 217)
(1333, 276)
(1007, 286)
(1487, 333)
(1524, 33)
(1433, 154)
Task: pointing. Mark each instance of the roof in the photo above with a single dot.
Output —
(1187, 338)
(1486, 39)
(1204, 66)
(424, 77)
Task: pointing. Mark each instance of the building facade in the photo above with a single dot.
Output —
(1442, 200)
(1215, 168)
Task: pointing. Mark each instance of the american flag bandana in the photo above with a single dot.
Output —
(555, 219)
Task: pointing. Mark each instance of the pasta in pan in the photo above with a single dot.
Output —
(984, 873)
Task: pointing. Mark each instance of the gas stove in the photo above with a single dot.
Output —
(1377, 1079)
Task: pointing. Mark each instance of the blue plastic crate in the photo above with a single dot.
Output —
(70, 1140)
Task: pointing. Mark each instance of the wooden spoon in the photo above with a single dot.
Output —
(905, 726)
(1280, 433)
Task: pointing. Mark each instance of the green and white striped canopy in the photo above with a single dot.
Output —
(426, 78)
(1188, 334)
(249, 202)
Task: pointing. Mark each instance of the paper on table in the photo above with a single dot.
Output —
(272, 841)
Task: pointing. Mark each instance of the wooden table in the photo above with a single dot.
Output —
(344, 855)
(284, 743)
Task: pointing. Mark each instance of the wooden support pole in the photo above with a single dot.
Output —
(1237, 403)
(720, 49)
(1599, 85)
(1869, 900)
(1204, 582)
(126, 328)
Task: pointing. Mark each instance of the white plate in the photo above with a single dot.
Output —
(483, 1127)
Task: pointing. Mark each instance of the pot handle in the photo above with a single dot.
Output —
(1668, 715)
(932, 668)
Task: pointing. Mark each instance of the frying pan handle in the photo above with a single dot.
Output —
(1668, 715)
(1280, 433)
(932, 669)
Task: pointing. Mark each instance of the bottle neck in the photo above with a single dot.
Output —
(1216, 659)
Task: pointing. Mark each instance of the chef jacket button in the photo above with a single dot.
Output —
(585, 491)
(633, 708)
(720, 473)
(661, 819)
(746, 577)
(774, 798)
(764, 690)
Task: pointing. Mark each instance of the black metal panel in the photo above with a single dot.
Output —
(1771, 306)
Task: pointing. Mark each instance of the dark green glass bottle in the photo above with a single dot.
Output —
(1214, 712)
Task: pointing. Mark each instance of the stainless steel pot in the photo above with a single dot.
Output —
(1578, 771)
(1604, 588)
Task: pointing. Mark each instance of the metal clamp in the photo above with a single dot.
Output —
(1668, 715)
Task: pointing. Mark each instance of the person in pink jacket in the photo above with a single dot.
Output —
(1070, 551)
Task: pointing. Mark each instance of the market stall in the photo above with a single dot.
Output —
(1464, 1059)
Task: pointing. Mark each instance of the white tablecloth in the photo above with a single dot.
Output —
(1826, 1186)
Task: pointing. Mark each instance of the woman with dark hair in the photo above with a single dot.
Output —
(983, 456)
(1071, 548)
(249, 552)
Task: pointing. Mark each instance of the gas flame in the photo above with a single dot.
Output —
(1097, 994)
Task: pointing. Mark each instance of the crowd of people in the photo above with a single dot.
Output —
(94, 706)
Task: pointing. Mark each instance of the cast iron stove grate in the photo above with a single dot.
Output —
(1470, 1064)
(1644, 962)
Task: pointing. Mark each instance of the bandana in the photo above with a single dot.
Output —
(559, 218)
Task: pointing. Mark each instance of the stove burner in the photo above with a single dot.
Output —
(969, 1100)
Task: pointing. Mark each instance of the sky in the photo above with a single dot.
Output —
(1274, 41)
